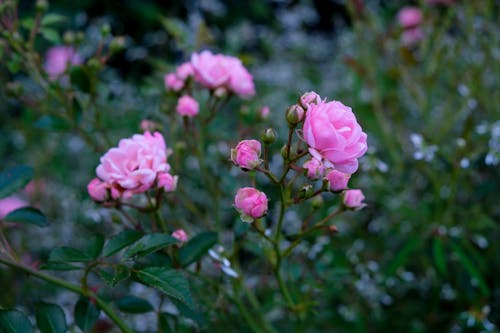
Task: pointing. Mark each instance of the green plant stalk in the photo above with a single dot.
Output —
(74, 288)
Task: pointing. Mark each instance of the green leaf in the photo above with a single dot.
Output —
(120, 241)
(13, 321)
(133, 304)
(79, 78)
(50, 122)
(116, 275)
(50, 19)
(68, 254)
(149, 244)
(403, 256)
(169, 281)
(164, 323)
(50, 318)
(14, 179)
(28, 215)
(59, 266)
(94, 247)
(196, 247)
(86, 314)
(51, 35)
(193, 313)
(470, 267)
(439, 255)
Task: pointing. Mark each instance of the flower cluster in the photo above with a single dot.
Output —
(410, 19)
(137, 165)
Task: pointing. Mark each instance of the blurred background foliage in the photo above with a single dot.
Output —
(422, 257)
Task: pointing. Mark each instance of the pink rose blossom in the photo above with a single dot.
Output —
(308, 98)
(211, 70)
(250, 203)
(246, 155)
(187, 106)
(410, 17)
(184, 71)
(338, 180)
(134, 165)
(333, 133)
(10, 204)
(240, 80)
(58, 59)
(315, 168)
(180, 235)
(353, 198)
(167, 182)
(98, 190)
(172, 82)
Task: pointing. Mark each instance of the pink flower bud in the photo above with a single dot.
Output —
(410, 17)
(412, 36)
(180, 235)
(246, 154)
(250, 203)
(264, 112)
(172, 82)
(187, 106)
(338, 180)
(309, 98)
(353, 199)
(184, 71)
(167, 181)
(10, 204)
(98, 190)
(58, 59)
(315, 168)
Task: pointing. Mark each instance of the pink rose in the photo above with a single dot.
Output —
(250, 203)
(58, 59)
(98, 190)
(333, 133)
(240, 80)
(172, 82)
(210, 70)
(410, 17)
(309, 98)
(246, 155)
(338, 180)
(167, 181)
(134, 165)
(184, 71)
(10, 204)
(187, 106)
(412, 36)
(315, 168)
(180, 235)
(353, 198)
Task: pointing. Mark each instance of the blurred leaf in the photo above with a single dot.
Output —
(28, 23)
(86, 314)
(164, 323)
(403, 255)
(439, 255)
(68, 254)
(170, 281)
(118, 274)
(28, 215)
(50, 318)
(59, 266)
(196, 247)
(79, 79)
(51, 18)
(149, 244)
(14, 178)
(13, 321)
(120, 241)
(133, 304)
(51, 35)
(94, 248)
(470, 267)
(193, 312)
(49, 122)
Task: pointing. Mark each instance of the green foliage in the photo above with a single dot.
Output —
(86, 314)
(28, 215)
(50, 318)
(14, 321)
(14, 179)
(196, 247)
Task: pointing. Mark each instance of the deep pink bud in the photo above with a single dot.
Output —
(246, 154)
(187, 106)
(58, 59)
(410, 17)
(98, 190)
(338, 180)
(180, 235)
(315, 168)
(172, 82)
(250, 203)
(353, 199)
(184, 71)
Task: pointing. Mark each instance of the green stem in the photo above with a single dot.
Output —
(74, 288)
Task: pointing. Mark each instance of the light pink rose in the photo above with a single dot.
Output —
(10, 204)
(167, 182)
(246, 155)
(172, 82)
(333, 133)
(353, 198)
(184, 71)
(315, 168)
(58, 59)
(338, 180)
(240, 80)
(210, 70)
(180, 235)
(410, 17)
(308, 98)
(412, 36)
(134, 165)
(187, 106)
(250, 203)
(98, 190)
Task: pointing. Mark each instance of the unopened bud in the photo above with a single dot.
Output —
(268, 136)
(220, 92)
(284, 152)
(117, 44)
(105, 30)
(94, 64)
(294, 115)
(69, 37)
(41, 5)
(333, 228)
(180, 146)
(305, 191)
(79, 37)
(317, 201)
